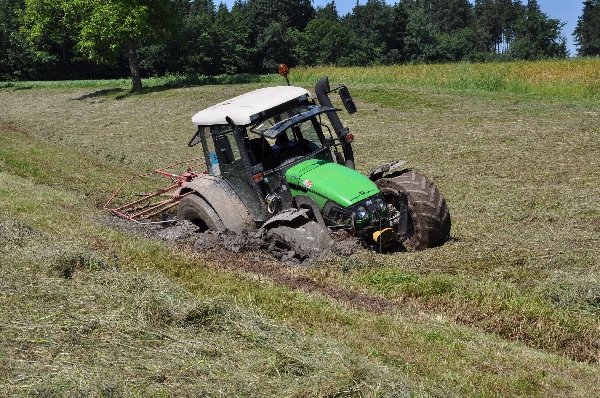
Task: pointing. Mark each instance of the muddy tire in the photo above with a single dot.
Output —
(218, 204)
(198, 211)
(299, 240)
(428, 215)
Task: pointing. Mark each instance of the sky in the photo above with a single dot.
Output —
(567, 11)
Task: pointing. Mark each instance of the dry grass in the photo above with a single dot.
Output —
(576, 78)
(508, 307)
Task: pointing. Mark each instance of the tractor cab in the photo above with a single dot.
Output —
(269, 131)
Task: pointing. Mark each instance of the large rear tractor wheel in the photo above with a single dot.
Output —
(428, 223)
(198, 211)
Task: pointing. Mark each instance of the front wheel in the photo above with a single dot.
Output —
(428, 223)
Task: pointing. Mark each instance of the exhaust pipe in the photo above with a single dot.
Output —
(322, 91)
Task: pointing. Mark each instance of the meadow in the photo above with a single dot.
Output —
(510, 306)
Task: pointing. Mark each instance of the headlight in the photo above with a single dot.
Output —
(379, 203)
(361, 212)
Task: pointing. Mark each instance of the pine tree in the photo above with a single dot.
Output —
(587, 32)
(537, 36)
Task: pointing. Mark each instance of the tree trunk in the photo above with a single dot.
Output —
(134, 66)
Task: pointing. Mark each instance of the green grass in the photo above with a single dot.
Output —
(508, 307)
(148, 83)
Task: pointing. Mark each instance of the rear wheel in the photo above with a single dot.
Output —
(198, 211)
(428, 223)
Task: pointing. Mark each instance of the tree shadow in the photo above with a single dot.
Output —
(175, 82)
(99, 93)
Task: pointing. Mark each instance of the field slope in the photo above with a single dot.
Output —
(510, 306)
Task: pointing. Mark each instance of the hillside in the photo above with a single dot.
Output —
(510, 306)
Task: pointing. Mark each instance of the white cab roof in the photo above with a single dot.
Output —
(246, 108)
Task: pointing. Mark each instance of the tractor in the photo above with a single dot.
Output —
(280, 163)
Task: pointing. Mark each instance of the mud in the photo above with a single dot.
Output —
(265, 256)
(265, 266)
(182, 231)
(298, 243)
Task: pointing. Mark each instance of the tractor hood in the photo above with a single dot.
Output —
(329, 181)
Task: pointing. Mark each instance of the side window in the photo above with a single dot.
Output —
(220, 150)
(223, 149)
(210, 153)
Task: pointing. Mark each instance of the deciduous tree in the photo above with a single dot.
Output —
(104, 29)
(18, 59)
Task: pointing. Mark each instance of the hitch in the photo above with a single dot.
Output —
(151, 204)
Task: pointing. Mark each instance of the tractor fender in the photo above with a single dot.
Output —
(222, 198)
(304, 201)
(385, 168)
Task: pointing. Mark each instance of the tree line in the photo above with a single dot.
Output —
(77, 39)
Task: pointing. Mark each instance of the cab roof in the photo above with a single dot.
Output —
(249, 108)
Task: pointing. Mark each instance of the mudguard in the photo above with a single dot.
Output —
(224, 200)
(385, 168)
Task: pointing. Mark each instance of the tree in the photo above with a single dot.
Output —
(18, 59)
(587, 31)
(460, 45)
(537, 36)
(495, 23)
(236, 51)
(201, 40)
(103, 29)
(329, 11)
(323, 42)
(421, 42)
(447, 16)
(488, 25)
(375, 25)
(274, 26)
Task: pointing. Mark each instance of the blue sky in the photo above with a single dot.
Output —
(567, 11)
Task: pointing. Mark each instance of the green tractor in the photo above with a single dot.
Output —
(281, 166)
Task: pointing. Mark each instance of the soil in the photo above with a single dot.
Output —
(298, 241)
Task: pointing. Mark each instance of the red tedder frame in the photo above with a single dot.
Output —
(145, 207)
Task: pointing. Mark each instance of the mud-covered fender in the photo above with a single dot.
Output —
(224, 200)
(385, 168)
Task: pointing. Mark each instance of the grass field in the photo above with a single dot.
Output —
(510, 306)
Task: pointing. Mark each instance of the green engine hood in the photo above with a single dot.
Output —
(324, 181)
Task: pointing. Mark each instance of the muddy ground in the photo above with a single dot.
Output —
(264, 257)
(297, 243)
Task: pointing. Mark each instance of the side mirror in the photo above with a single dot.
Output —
(196, 138)
(347, 100)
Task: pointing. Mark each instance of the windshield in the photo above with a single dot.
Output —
(288, 137)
